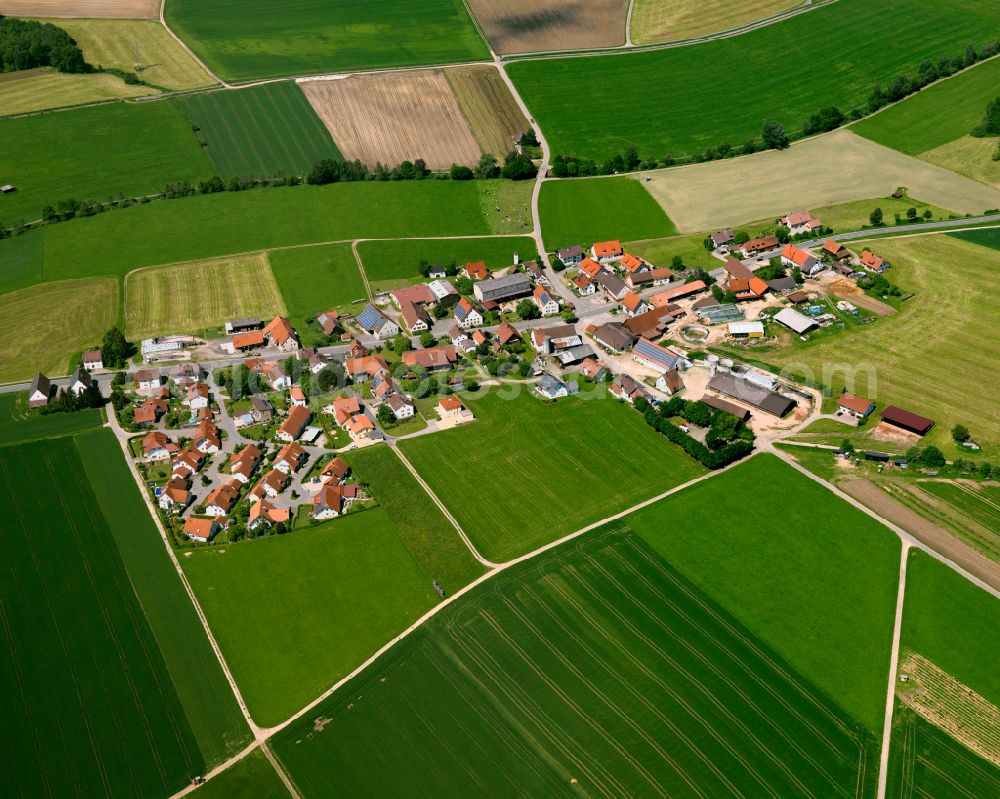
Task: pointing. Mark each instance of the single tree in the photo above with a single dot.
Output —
(774, 136)
(960, 433)
(875, 217)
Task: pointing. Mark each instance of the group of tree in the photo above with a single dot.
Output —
(928, 72)
(26, 44)
(116, 349)
(826, 119)
(990, 126)
(878, 285)
(424, 268)
(68, 401)
(515, 167)
(728, 439)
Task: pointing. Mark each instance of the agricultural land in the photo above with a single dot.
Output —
(494, 117)
(518, 26)
(243, 39)
(594, 668)
(316, 279)
(684, 115)
(143, 47)
(839, 167)
(199, 295)
(55, 321)
(669, 20)
(585, 211)
(388, 118)
(18, 424)
(42, 88)
(264, 130)
(250, 778)
(552, 448)
(391, 263)
(100, 9)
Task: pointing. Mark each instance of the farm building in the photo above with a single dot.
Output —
(717, 314)
(415, 295)
(835, 250)
(794, 321)
(736, 270)
(501, 289)
(614, 337)
(650, 324)
(675, 292)
(373, 321)
(782, 285)
(720, 404)
(444, 293)
(670, 382)
(38, 394)
(753, 329)
(656, 357)
(767, 401)
(415, 317)
(854, 405)
(280, 333)
(906, 420)
(613, 287)
(243, 325)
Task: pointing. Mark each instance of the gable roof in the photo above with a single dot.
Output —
(855, 403)
(646, 349)
(590, 267)
(417, 294)
(280, 329)
(797, 256)
(736, 270)
(604, 249)
(372, 319)
(297, 419)
(507, 332)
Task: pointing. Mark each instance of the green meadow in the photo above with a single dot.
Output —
(18, 423)
(243, 39)
(316, 279)
(562, 466)
(264, 130)
(94, 154)
(680, 101)
(582, 211)
(594, 670)
(807, 573)
(253, 777)
(390, 263)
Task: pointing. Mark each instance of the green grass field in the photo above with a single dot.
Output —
(596, 670)
(199, 295)
(141, 46)
(54, 322)
(251, 778)
(389, 264)
(94, 153)
(257, 39)
(423, 529)
(937, 115)
(929, 357)
(19, 424)
(953, 623)
(926, 761)
(89, 708)
(214, 225)
(680, 101)
(295, 613)
(979, 504)
(985, 237)
(316, 279)
(584, 211)
(264, 130)
(563, 466)
(209, 705)
(775, 549)
(44, 88)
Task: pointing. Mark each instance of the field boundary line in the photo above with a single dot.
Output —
(188, 50)
(361, 269)
(890, 698)
(441, 506)
(282, 774)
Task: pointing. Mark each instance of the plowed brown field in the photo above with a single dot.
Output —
(523, 26)
(91, 9)
(491, 111)
(390, 118)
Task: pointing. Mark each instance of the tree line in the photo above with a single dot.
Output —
(728, 439)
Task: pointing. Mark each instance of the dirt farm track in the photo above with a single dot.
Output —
(90, 9)
(390, 118)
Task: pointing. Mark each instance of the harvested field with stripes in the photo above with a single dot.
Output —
(92, 9)
(596, 670)
(671, 20)
(491, 111)
(196, 296)
(390, 118)
(263, 130)
(524, 26)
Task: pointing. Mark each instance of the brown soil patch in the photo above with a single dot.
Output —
(88, 9)
(491, 111)
(525, 26)
(937, 538)
(888, 432)
(389, 118)
(951, 705)
(850, 292)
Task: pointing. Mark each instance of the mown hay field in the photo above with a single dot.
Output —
(388, 264)
(43, 88)
(52, 322)
(89, 707)
(140, 46)
(594, 670)
(525, 26)
(217, 723)
(99, 9)
(969, 156)
(582, 211)
(930, 358)
(263, 130)
(95, 153)
(196, 296)
(682, 100)
(324, 598)
(563, 466)
(670, 20)
(393, 117)
(781, 573)
(244, 39)
(488, 106)
(835, 168)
